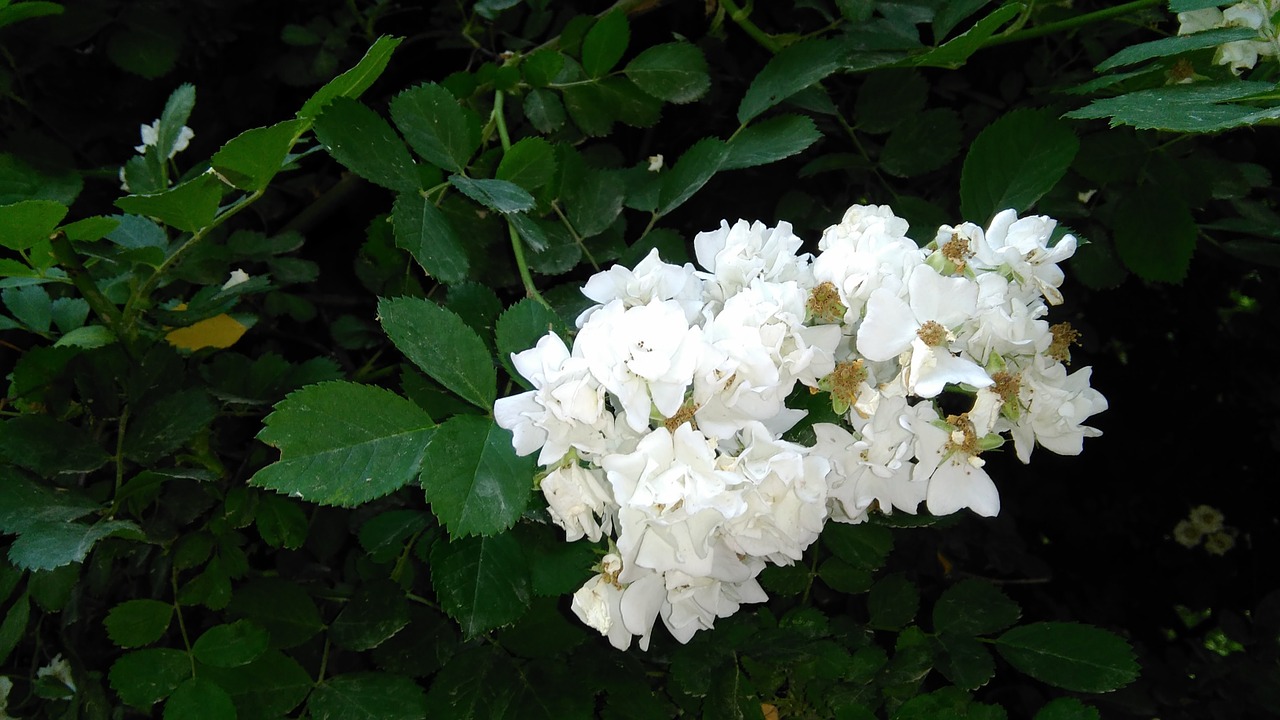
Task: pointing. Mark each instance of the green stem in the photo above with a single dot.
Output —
(1071, 23)
(182, 625)
(70, 261)
(517, 245)
(122, 426)
(742, 18)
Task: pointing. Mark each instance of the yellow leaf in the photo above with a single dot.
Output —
(220, 331)
(770, 711)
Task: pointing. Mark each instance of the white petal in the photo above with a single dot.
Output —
(957, 484)
(889, 327)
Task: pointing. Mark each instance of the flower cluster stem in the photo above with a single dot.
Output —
(1071, 23)
(517, 246)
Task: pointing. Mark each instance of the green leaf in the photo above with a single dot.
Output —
(376, 612)
(188, 207)
(1178, 6)
(343, 443)
(605, 43)
(29, 222)
(164, 426)
(974, 607)
(422, 230)
(540, 67)
(1013, 162)
(675, 72)
(499, 195)
(862, 545)
(177, 109)
(770, 140)
(477, 683)
(69, 313)
(250, 159)
(368, 696)
(964, 661)
(593, 198)
(481, 582)
(1155, 233)
(1176, 44)
(1072, 656)
(135, 623)
(922, 142)
(231, 645)
(843, 577)
(1066, 709)
(529, 163)
(269, 687)
(14, 626)
(10, 14)
(25, 503)
(888, 96)
(953, 53)
(31, 306)
(545, 110)
(520, 328)
(1195, 108)
(441, 344)
(384, 536)
(145, 677)
(355, 81)
(694, 168)
(281, 522)
(91, 228)
(49, 447)
(440, 130)
(47, 545)
(795, 68)
(90, 336)
(952, 13)
(283, 608)
(199, 698)
(366, 145)
(475, 482)
(590, 109)
(893, 602)
(556, 567)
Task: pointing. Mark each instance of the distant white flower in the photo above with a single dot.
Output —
(58, 669)
(1054, 406)
(655, 163)
(238, 276)
(151, 136)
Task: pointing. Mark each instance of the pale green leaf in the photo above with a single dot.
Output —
(770, 140)
(177, 109)
(424, 231)
(355, 81)
(362, 141)
(250, 159)
(188, 207)
(472, 477)
(675, 72)
(440, 130)
(23, 224)
(442, 346)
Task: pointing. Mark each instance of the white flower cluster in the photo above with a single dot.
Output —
(1259, 15)
(662, 427)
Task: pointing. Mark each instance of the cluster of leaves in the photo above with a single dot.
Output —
(227, 494)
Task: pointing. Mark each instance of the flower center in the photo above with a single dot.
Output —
(956, 250)
(824, 303)
(682, 416)
(932, 334)
(1007, 385)
(1064, 336)
(847, 379)
(965, 436)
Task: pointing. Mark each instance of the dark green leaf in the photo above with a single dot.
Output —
(541, 67)
(282, 607)
(1176, 44)
(529, 163)
(135, 623)
(590, 108)
(188, 207)
(14, 626)
(440, 130)
(952, 13)
(795, 68)
(771, 140)
(481, 582)
(974, 607)
(281, 522)
(162, 427)
(530, 231)
(69, 313)
(376, 612)
(888, 96)
(520, 328)
(957, 50)
(592, 197)
(384, 536)
(368, 696)
(557, 567)
(343, 443)
(605, 43)
(863, 545)
(427, 234)
(478, 683)
(675, 72)
(922, 142)
(475, 482)
(25, 502)
(144, 677)
(843, 577)
(1013, 162)
(694, 168)
(893, 602)
(176, 111)
(268, 687)
(199, 698)
(355, 81)
(1178, 6)
(135, 231)
(51, 590)
(1066, 709)
(231, 645)
(49, 447)
(964, 661)
(442, 345)
(1155, 233)
(1195, 108)
(29, 222)
(91, 228)
(47, 545)
(361, 140)
(1073, 656)
(31, 306)
(10, 14)
(544, 110)
(252, 158)
(500, 195)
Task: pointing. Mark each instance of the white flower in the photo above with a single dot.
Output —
(948, 460)
(867, 251)
(1021, 246)
(645, 355)
(693, 603)
(652, 279)
(579, 501)
(874, 466)
(655, 162)
(151, 136)
(1054, 406)
(598, 603)
(1195, 21)
(238, 276)
(922, 326)
(735, 256)
(58, 669)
